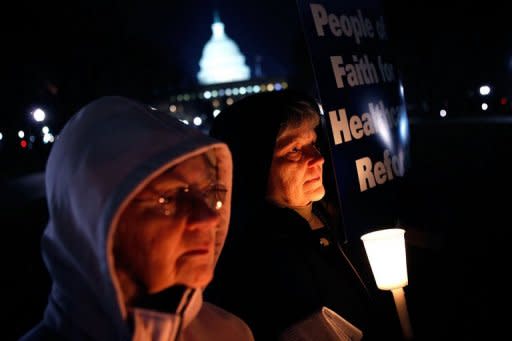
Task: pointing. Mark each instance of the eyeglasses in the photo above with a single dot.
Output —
(167, 203)
(297, 154)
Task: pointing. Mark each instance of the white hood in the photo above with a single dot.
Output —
(103, 156)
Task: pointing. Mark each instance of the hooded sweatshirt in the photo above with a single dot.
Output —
(104, 155)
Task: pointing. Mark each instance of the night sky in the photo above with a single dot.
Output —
(62, 54)
(91, 48)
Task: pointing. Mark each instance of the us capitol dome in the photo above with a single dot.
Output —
(221, 61)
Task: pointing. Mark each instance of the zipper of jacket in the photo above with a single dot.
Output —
(182, 308)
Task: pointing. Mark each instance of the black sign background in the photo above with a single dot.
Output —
(362, 210)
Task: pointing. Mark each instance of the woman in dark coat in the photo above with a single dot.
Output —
(283, 261)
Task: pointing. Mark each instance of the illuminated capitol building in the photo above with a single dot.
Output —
(223, 78)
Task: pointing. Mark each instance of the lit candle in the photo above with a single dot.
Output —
(386, 253)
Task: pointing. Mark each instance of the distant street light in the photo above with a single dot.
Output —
(197, 121)
(39, 115)
(485, 90)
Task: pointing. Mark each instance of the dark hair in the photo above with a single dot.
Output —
(298, 113)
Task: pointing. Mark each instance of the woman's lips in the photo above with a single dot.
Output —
(312, 180)
(197, 252)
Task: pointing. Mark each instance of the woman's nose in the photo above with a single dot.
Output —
(315, 157)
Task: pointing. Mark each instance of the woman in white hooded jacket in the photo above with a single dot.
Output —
(139, 207)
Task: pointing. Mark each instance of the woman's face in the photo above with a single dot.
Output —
(295, 177)
(166, 234)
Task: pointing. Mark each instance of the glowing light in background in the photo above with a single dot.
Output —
(485, 90)
(485, 106)
(48, 138)
(197, 121)
(442, 113)
(39, 115)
